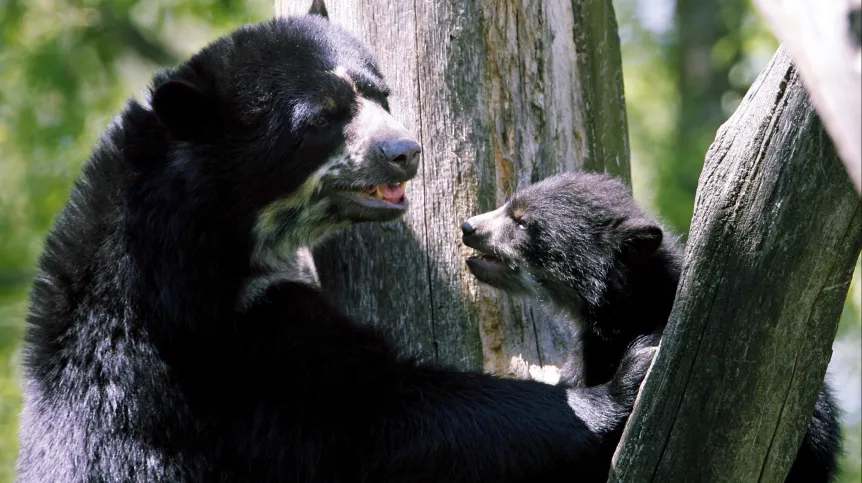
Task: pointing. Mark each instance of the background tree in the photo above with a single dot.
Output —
(650, 32)
(826, 45)
(705, 48)
(500, 93)
(759, 300)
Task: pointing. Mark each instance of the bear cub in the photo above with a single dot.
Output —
(580, 243)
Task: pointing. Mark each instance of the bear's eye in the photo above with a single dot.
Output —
(319, 122)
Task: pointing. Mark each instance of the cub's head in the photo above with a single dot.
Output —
(567, 240)
(285, 126)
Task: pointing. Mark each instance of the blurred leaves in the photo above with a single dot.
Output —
(684, 75)
(65, 68)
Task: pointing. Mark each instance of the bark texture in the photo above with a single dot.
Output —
(500, 94)
(774, 239)
(825, 40)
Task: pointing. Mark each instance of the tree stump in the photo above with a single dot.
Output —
(776, 231)
(500, 94)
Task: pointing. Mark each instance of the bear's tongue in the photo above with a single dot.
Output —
(392, 193)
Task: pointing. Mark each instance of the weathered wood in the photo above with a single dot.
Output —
(775, 235)
(825, 40)
(500, 93)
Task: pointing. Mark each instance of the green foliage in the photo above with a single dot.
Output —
(12, 307)
(65, 67)
(845, 371)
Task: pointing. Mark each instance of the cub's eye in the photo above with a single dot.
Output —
(520, 222)
(516, 213)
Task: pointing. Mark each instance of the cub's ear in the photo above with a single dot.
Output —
(318, 8)
(640, 239)
(184, 108)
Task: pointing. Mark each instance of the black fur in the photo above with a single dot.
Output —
(147, 360)
(580, 242)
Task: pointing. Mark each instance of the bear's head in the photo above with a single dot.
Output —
(284, 128)
(563, 240)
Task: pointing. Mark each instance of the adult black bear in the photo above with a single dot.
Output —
(581, 243)
(176, 333)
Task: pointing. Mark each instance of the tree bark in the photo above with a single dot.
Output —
(774, 239)
(500, 94)
(825, 40)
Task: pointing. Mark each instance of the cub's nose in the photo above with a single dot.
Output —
(467, 228)
(401, 152)
(471, 235)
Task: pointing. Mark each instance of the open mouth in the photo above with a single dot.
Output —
(480, 257)
(481, 260)
(384, 196)
(484, 262)
(383, 202)
(499, 272)
(490, 269)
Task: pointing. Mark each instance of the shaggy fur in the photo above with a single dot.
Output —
(579, 242)
(176, 332)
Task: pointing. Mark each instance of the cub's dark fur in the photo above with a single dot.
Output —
(580, 242)
(176, 332)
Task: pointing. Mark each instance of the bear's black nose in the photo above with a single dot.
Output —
(467, 228)
(403, 152)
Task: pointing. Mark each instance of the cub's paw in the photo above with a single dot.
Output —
(636, 362)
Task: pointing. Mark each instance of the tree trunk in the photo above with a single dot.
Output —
(774, 239)
(825, 40)
(500, 94)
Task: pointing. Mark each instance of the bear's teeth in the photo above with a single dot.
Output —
(378, 193)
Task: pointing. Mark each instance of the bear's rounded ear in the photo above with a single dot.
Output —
(318, 8)
(183, 108)
(640, 239)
